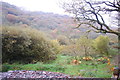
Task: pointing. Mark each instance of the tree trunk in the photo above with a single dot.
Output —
(119, 40)
(117, 57)
(119, 48)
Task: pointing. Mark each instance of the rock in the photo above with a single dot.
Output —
(32, 74)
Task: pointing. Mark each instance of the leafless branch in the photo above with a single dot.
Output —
(90, 13)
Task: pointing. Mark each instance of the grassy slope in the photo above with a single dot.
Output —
(63, 65)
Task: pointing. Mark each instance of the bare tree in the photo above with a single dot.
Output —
(92, 13)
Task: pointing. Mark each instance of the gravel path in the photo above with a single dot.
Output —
(32, 74)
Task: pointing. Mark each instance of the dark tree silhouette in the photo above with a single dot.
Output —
(92, 13)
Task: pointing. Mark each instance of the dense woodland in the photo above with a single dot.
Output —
(32, 37)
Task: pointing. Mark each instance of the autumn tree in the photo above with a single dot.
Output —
(12, 18)
(92, 13)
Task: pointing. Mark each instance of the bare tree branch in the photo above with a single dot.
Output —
(91, 12)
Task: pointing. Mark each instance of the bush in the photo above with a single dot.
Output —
(25, 45)
(63, 40)
(85, 45)
(101, 44)
(56, 46)
(71, 50)
(79, 47)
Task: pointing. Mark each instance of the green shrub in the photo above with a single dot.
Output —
(25, 45)
(101, 44)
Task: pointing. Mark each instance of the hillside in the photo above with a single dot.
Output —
(53, 25)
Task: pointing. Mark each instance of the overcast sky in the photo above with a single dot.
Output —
(38, 5)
